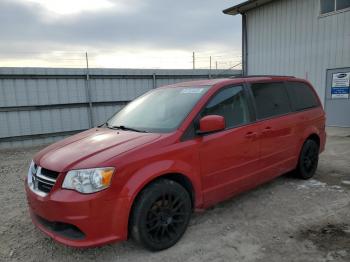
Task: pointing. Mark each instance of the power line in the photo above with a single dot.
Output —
(224, 71)
(60, 58)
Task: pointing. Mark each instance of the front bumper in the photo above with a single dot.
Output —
(80, 220)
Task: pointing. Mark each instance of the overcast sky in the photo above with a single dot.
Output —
(118, 33)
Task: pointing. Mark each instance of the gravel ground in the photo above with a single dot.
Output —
(285, 220)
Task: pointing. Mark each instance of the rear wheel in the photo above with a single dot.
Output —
(308, 159)
(160, 215)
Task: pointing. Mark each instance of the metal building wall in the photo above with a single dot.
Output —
(42, 105)
(289, 37)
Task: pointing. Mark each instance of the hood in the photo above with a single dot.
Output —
(90, 145)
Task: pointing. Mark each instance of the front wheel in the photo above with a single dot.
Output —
(160, 215)
(308, 159)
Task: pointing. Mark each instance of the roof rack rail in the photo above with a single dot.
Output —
(249, 76)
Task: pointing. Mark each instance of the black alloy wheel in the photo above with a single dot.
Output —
(161, 215)
(308, 159)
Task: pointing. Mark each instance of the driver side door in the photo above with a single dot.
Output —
(229, 158)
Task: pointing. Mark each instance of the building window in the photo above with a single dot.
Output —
(328, 6)
(342, 4)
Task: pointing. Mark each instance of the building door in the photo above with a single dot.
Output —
(337, 103)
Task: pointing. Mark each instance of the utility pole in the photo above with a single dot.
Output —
(193, 61)
(210, 67)
(216, 65)
(88, 91)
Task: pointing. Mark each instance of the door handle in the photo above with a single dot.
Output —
(251, 135)
(267, 129)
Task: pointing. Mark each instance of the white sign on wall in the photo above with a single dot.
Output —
(340, 85)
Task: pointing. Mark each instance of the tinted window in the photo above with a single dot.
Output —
(231, 104)
(301, 96)
(327, 6)
(343, 4)
(271, 99)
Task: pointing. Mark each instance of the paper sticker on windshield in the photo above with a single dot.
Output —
(192, 90)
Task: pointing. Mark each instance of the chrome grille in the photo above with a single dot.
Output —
(41, 180)
(49, 173)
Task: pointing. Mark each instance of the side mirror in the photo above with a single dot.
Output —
(211, 123)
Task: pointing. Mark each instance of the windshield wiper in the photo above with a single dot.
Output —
(125, 128)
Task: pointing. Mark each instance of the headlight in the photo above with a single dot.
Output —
(31, 172)
(33, 167)
(88, 180)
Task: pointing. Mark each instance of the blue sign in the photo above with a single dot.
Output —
(340, 90)
(340, 85)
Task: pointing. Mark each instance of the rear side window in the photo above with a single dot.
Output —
(231, 104)
(301, 96)
(271, 99)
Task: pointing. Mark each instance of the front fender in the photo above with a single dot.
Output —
(148, 173)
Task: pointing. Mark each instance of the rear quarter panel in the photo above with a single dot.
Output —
(312, 122)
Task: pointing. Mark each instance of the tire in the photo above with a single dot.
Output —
(308, 160)
(160, 215)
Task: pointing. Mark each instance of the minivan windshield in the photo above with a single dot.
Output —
(160, 110)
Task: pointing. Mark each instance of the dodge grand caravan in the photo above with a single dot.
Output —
(174, 150)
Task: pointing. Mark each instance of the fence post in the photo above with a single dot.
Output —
(154, 80)
(88, 92)
(210, 67)
(193, 61)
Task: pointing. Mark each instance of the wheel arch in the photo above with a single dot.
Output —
(178, 171)
(312, 133)
(315, 137)
(301, 170)
(177, 177)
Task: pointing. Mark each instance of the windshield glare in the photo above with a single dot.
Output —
(160, 110)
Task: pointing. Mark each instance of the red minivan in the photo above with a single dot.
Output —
(174, 150)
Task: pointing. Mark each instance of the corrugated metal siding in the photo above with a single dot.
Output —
(36, 101)
(288, 37)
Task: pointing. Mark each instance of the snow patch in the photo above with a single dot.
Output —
(312, 183)
(346, 182)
